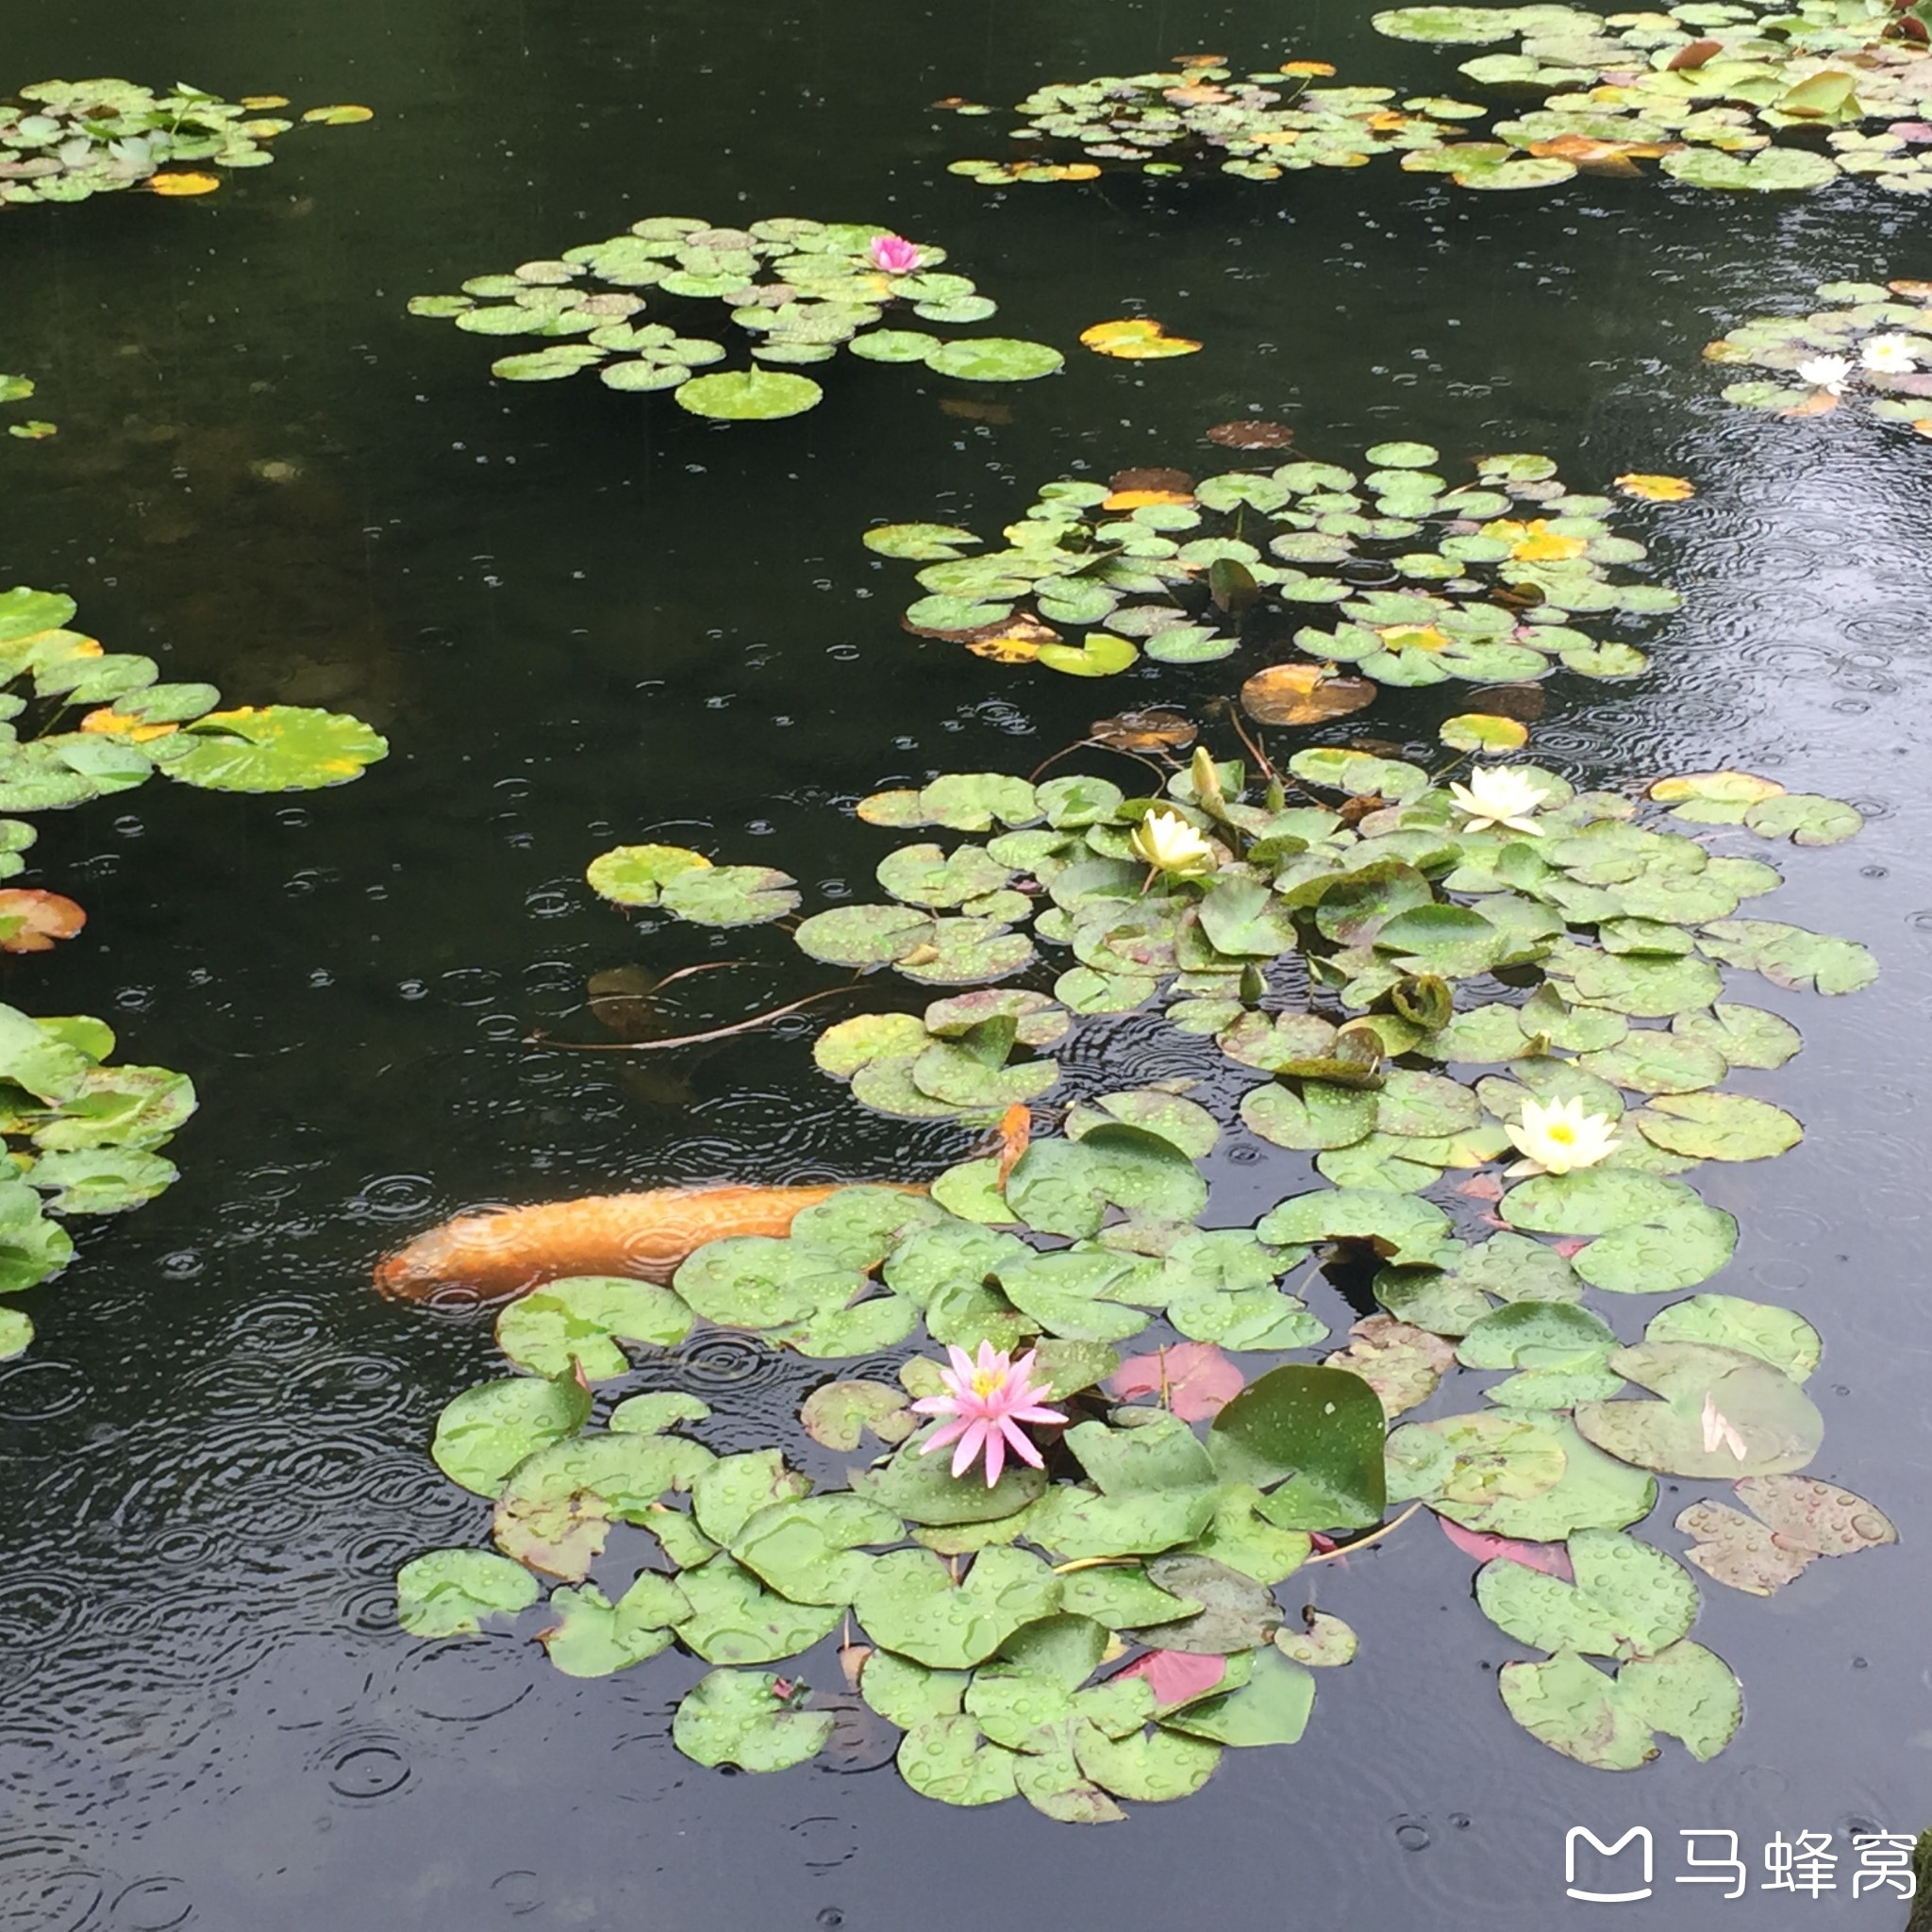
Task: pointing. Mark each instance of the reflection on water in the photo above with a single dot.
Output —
(584, 619)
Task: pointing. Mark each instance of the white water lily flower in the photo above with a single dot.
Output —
(1165, 841)
(1828, 372)
(1500, 795)
(1561, 1137)
(1719, 1433)
(1889, 356)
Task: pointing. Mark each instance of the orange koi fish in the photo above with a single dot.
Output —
(497, 1255)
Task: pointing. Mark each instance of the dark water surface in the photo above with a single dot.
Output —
(585, 618)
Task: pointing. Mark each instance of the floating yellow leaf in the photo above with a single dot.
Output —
(265, 130)
(1821, 402)
(1276, 137)
(1056, 171)
(1006, 650)
(254, 102)
(1412, 637)
(1303, 693)
(1482, 732)
(180, 184)
(1919, 292)
(1136, 342)
(1016, 641)
(1656, 489)
(340, 116)
(1535, 542)
(1716, 787)
(114, 723)
(1319, 70)
(1142, 499)
(1145, 731)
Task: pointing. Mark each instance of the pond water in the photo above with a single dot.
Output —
(584, 619)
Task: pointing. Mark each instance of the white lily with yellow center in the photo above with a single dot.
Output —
(1166, 842)
(1889, 356)
(1828, 372)
(1558, 1136)
(1501, 795)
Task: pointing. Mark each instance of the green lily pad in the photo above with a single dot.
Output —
(748, 395)
(1774, 169)
(1718, 1126)
(1653, 1234)
(635, 874)
(579, 1321)
(729, 895)
(994, 359)
(750, 1719)
(1065, 1186)
(447, 1592)
(910, 1604)
(1272, 1708)
(1786, 1341)
(1317, 1433)
(759, 1281)
(1399, 1227)
(1746, 1036)
(806, 1547)
(1790, 956)
(949, 1758)
(839, 1413)
(1723, 1413)
(269, 748)
(595, 1637)
(485, 1432)
(735, 1620)
(1628, 1599)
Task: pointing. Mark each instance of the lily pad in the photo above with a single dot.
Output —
(750, 1719)
(269, 748)
(448, 1592)
(1723, 1413)
(748, 395)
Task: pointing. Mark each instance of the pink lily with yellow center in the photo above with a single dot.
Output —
(987, 1401)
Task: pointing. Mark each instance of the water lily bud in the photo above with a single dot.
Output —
(1207, 780)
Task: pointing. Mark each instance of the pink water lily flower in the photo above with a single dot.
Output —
(988, 1400)
(894, 254)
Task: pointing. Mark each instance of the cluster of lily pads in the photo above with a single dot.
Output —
(1871, 342)
(1198, 114)
(90, 1131)
(17, 389)
(1713, 90)
(801, 290)
(1431, 581)
(1707, 89)
(66, 140)
(1123, 1618)
(84, 1135)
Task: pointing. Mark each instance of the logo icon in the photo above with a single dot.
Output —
(1641, 1833)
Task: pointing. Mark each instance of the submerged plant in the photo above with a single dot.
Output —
(801, 290)
(1433, 580)
(1427, 992)
(78, 139)
(1872, 344)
